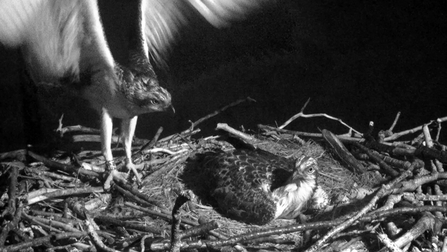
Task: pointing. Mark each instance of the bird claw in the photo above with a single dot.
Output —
(131, 167)
(110, 165)
(109, 174)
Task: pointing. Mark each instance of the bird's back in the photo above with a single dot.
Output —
(242, 182)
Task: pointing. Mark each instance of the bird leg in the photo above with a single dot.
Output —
(106, 146)
(128, 126)
(106, 138)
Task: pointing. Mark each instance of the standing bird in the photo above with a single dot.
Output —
(63, 41)
(256, 187)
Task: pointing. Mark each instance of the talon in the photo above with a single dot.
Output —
(110, 165)
(131, 167)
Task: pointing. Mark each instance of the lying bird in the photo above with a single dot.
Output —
(63, 41)
(256, 187)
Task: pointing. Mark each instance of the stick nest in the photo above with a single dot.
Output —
(57, 201)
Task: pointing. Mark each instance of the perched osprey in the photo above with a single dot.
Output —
(63, 41)
(256, 187)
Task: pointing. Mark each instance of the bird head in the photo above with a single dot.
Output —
(299, 188)
(140, 87)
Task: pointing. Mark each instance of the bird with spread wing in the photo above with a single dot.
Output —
(63, 41)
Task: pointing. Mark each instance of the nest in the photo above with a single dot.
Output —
(58, 202)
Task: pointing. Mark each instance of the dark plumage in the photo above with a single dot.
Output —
(63, 41)
(257, 187)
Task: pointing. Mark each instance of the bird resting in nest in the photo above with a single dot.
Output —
(64, 41)
(256, 187)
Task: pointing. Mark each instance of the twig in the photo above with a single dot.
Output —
(176, 219)
(144, 197)
(172, 164)
(12, 193)
(62, 167)
(386, 189)
(386, 168)
(255, 234)
(240, 135)
(425, 223)
(342, 138)
(90, 223)
(41, 240)
(12, 225)
(158, 214)
(301, 114)
(343, 153)
(110, 220)
(411, 131)
(63, 193)
(151, 143)
(216, 112)
(394, 122)
(388, 242)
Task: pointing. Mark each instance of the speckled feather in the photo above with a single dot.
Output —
(243, 183)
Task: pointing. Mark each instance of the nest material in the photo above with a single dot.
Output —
(44, 195)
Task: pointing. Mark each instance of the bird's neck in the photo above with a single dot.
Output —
(293, 197)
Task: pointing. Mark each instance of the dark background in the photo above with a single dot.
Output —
(360, 61)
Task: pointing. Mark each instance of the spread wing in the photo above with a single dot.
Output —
(59, 38)
(165, 19)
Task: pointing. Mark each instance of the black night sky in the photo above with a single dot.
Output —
(360, 61)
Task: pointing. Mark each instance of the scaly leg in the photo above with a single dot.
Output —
(106, 138)
(128, 130)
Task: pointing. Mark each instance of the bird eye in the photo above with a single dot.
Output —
(310, 170)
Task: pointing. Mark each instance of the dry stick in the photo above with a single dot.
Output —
(301, 114)
(410, 131)
(64, 193)
(168, 218)
(193, 125)
(388, 242)
(75, 128)
(137, 193)
(342, 152)
(384, 190)
(12, 225)
(439, 215)
(53, 175)
(158, 214)
(409, 186)
(201, 229)
(63, 167)
(12, 192)
(423, 224)
(199, 121)
(444, 245)
(172, 164)
(240, 135)
(176, 218)
(394, 122)
(342, 138)
(151, 143)
(256, 234)
(51, 223)
(111, 220)
(41, 240)
(386, 168)
(90, 223)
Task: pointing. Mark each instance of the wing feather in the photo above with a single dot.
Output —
(59, 38)
(165, 19)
